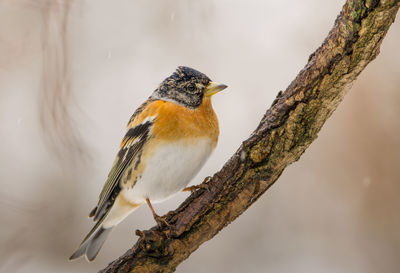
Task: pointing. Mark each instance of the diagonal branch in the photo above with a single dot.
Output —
(284, 133)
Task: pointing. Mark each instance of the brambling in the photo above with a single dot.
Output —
(168, 139)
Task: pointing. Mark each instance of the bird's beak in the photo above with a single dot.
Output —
(213, 88)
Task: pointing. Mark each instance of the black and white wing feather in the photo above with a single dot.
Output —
(131, 146)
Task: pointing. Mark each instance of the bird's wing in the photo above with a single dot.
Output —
(130, 147)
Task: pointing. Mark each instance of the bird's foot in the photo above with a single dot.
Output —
(161, 221)
(203, 185)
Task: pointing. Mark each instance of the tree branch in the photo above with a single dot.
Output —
(284, 133)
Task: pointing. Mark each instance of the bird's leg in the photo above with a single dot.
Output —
(160, 220)
(203, 185)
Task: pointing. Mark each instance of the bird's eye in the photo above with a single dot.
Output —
(192, 87)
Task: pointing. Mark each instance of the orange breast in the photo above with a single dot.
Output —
(175, 122)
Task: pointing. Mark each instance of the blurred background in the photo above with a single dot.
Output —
(72, 72)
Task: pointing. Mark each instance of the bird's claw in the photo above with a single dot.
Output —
(203, 185)
(161, 221)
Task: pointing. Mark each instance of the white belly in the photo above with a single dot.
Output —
(169, 170)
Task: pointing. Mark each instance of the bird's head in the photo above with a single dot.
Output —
(187, 87)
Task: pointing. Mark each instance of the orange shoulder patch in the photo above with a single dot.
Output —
(151, 110)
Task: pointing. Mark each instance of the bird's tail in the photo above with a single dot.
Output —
(92, 243)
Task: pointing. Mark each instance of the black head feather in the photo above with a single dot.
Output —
(185, 86)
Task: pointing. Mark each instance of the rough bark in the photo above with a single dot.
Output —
(284, 133)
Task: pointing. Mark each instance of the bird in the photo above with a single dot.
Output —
(168, 139)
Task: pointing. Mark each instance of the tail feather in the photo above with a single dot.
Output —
(92, 246)
(80, 251)
(95, 238)
(96, 242)
(92, 243)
